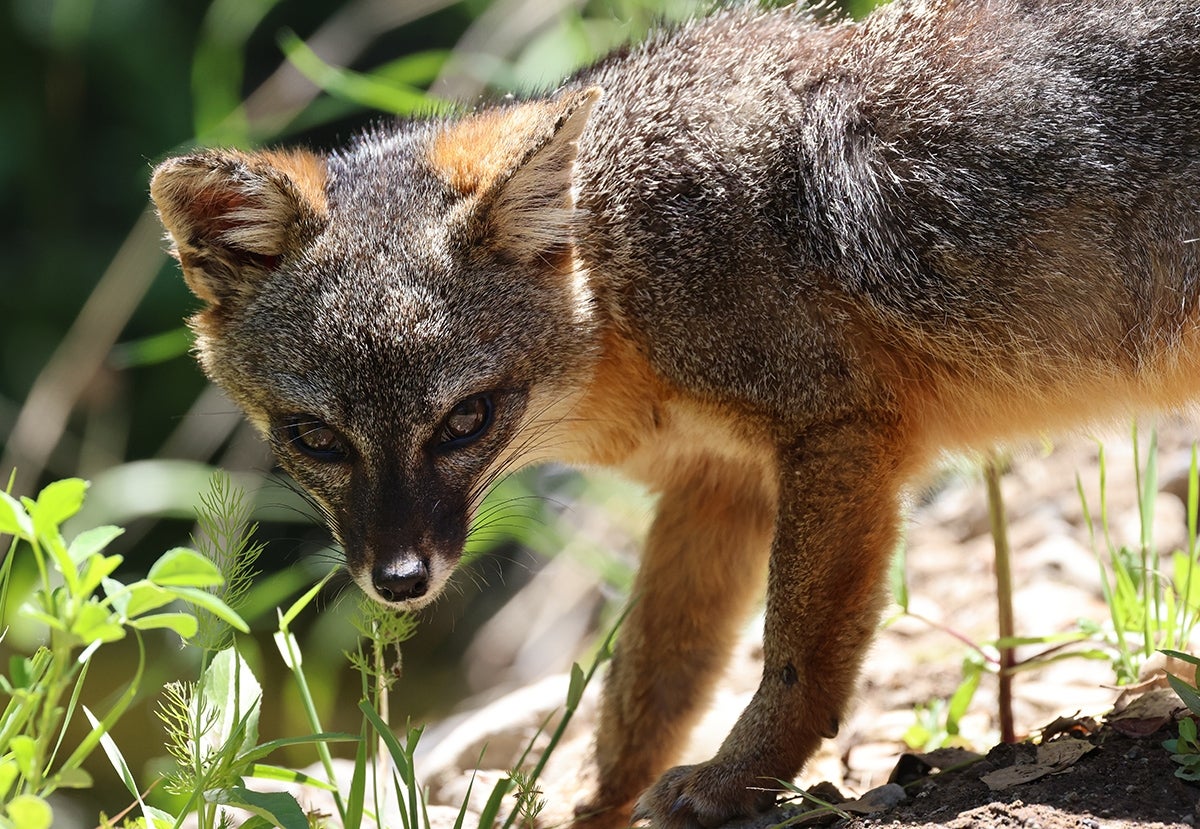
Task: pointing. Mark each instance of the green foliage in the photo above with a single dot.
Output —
(521, 782)
(1148, 609)
(226, 539)
(395, 88)
(937, 721)
(1185, 749)
(382, 631)
(211, 724)
(212, 727)
(82, 607)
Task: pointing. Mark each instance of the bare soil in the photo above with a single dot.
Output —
(1124, 782)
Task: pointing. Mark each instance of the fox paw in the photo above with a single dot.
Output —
(702, 797)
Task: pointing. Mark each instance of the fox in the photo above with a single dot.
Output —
(772, 264)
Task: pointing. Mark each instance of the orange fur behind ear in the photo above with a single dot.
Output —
(307, 172)
(482, 150)
(517, 165)
(473, 154)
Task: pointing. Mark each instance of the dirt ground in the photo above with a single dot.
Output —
(1122, 782)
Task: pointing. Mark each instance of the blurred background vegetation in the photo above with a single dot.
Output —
(95, 378)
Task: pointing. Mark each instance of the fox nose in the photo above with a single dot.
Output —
(401, 580)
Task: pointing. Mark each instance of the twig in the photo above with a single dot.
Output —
(1004, 591)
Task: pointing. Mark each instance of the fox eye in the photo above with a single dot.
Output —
(315, 438)
(466, 421)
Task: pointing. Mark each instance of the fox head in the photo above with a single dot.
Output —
(404, 321)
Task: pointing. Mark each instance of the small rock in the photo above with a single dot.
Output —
(909, 769)
(883, 798)
(827, 792)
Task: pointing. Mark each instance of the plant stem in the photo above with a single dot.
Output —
(310, 711)
(1004, 591)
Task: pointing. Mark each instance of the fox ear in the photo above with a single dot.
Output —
(231, 216)
(517, 162)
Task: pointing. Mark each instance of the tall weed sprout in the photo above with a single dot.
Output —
(226, 538)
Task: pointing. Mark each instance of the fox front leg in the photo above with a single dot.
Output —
(837, 528)
(702, 568)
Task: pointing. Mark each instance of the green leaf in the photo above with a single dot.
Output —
(576, 686)
(56, 503)
(257, 822)
(365, 90)
(260, 751)
(288, 648)
(278, 807)
(491, 809)
(260, 771)
(1186, 693)
(213, 605)
(231, 690)
(1186, 657)
(8, 776)
(156, 348)
(98, 568)
(92, 541)
(52, 622)
(14, 520)
(292, 612)
(30, 812)
(1187, 730)
(399, 757)
(157, 818)
(1049, 639)
(113, 753)
(416, 70)
(20, 669)
(1186, 578)
(96, 623)
(135, 599)
(184, 624)
(73, 779)
(52, 542)
(24, 750)
(357, 795)
(960, 700)
(182, 567)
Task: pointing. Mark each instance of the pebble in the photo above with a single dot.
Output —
(885, 796)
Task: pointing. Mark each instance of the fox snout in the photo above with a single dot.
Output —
(409, 556)
(406, 580)
(402, 579)
(401, 576)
